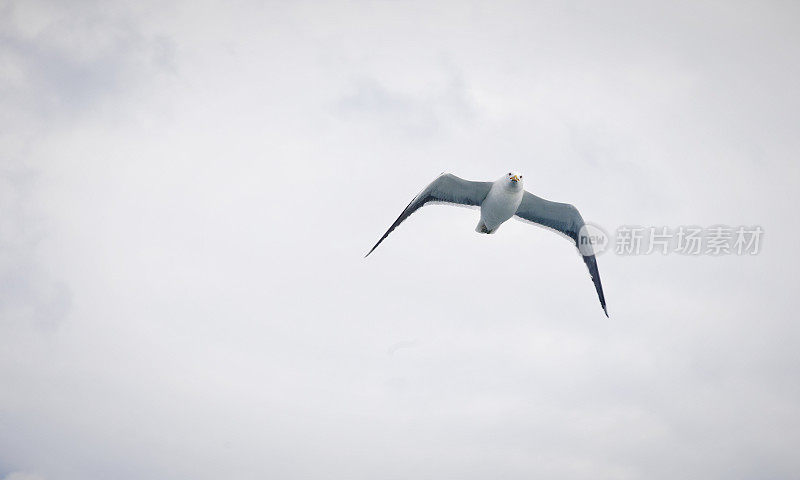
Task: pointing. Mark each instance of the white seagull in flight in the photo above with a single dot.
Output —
(501, 200)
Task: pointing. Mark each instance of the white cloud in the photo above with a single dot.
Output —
(23, 476)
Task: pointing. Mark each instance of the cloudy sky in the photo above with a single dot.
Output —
(187, 190)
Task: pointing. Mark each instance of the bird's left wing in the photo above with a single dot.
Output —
(446, 189)
(565, 219)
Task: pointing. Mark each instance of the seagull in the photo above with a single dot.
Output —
(500, 200)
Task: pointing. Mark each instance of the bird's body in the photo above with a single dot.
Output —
(501, 200)
(500, 204)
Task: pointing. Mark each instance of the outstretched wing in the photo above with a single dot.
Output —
(448, 189)
(563, 218)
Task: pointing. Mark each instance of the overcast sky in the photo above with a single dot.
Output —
(187, 190)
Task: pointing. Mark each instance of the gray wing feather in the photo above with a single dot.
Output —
(566, 219)
(448, 189)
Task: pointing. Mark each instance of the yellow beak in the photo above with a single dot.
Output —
(515, 178)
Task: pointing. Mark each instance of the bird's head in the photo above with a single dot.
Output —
(514, 180)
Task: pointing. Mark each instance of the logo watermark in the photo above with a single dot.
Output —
(592, 240)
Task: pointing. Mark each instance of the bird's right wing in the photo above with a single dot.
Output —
(446, 189)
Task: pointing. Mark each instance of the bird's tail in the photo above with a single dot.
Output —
(481, 228)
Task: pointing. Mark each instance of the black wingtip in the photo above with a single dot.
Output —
(376, 245)
(373, 248)
(605, 311)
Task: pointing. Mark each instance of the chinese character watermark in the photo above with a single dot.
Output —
(716, 240)
(629, 240)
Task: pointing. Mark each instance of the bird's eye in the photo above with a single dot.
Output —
(509, 173)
